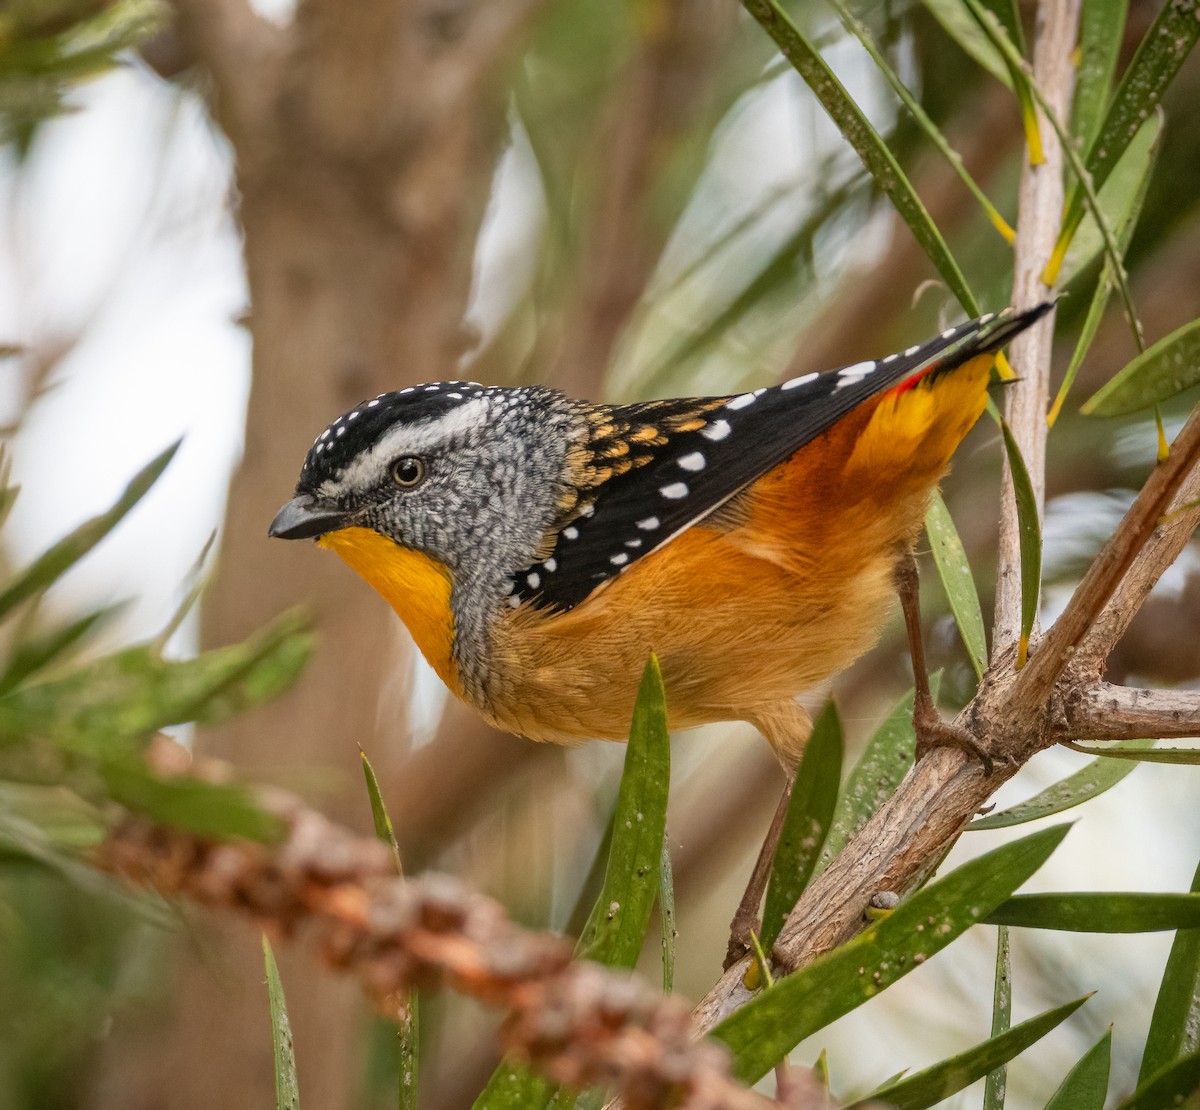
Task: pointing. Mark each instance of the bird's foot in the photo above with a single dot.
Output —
(933, 732)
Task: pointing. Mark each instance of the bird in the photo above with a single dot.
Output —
(539, 548)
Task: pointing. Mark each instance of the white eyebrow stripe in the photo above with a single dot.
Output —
(410, 439)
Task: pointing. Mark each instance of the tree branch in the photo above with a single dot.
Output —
(575, 1021)
(1105, 712)
(1038, 222)
(1111, 565)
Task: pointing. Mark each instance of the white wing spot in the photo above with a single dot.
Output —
(619, 560)
(534, 580)
(949, 333)
(795, 383)
(742, 401)
(890, 358)
(633, 543)
(854, 374)
(587, 510)
(912, 350)
(649, 524)
(987, 318)
(693, 461)
(571, 532)
(551, 564)
(514, 601)
(715, 431)
(675, 491)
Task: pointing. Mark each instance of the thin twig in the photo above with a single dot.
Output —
(1106, 712)
(1038, 222)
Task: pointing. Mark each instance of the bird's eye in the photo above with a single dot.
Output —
(408, 471)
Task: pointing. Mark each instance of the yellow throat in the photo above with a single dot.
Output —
(414, 585)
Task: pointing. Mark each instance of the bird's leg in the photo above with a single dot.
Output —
(932, 732)
(745, 920)
(786, 725)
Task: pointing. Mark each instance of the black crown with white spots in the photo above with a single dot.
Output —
(704, 451)
(362, 426)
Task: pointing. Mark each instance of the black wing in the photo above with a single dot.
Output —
(653, 470)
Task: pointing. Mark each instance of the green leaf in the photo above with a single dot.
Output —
(859, 30)
(775, 1021)
(950, 558)
(809, 817)
(1100, 912)
(1126, 223)
(122, 699)
(666, 909)
(208, 809)
(287, 1088)
(1086, 1084)
(618, 925)
(407, 1047)
(35, 653)
(515, 1087)
(1174, 1086)
(1159, 56)
(1175, 1026)
(379, 813)
(1101, 27)
(996, 1087)
(1030, 531)
(944, 1079)
(1121, 191)
(868, 144)
(1189, 756)
(884, 762)
(1169, 367)
(964, 29)
(1087, 783)
(53, 563)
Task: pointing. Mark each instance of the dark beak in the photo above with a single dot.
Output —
(305, 517)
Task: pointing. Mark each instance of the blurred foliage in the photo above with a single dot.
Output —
(77, 721)
(47, 47)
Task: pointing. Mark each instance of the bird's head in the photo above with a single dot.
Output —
(467, 476)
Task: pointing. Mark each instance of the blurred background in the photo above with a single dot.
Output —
(230, 222)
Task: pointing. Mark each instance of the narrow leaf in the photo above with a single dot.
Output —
(54, 562)
(960, 25)
(1190, 756)
(1175, 1025)
(775, 1021)
(1100, 912)
(875, 154)
(1101, 27)
(950, 558)
(1087, 783)
(996, 1086)
(859, 30)
(617, 930)
(1030, 531)
(287, 1089)
(1126, 223)
(29, 656)
(1165, 369)
(209, 809)
(809, 817)
(884, 762)
(515, 1087)
(379, 814)
(1174, 1086)
(932, 1085)
(1159, 56)
(1086, 1084)
(666, 910)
